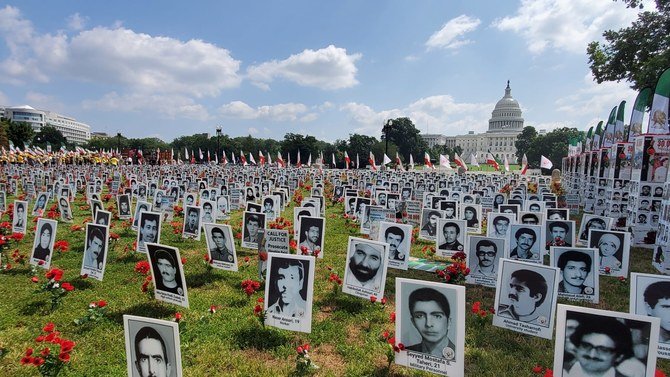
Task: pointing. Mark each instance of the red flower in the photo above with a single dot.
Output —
(183, 260)
(142, 267)
(66, 346)
(64, 357)
(55, 274)
(258, 309)
(34, 279)
(206, 257)
(392, 317)
(659, 373)
(102, 303)
(49, 327)
(62, 246)
(213, 308)
(373, 299)
(607, 270)
(476, 307)
(537, 369)
(38, 361)
(67, 286)
(113, 236)
(548, 373)
(383, 301)
(177, 317)
(263, 256)
(41, 263)
(45, 352)
(29, 351)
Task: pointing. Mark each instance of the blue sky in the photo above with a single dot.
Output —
(327, 69)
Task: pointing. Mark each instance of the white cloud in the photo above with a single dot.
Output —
(44, 101)
(328, 68)
(567, 25)
(252, 131)
(279, 112)
(174, 106)
(4, 100)
(76, 22)
(450, 36)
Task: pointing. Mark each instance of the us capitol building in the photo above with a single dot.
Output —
(505, 125)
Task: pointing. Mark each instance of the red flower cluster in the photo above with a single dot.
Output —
(113, 236)
(302, 350)
(477, 309)
(142, 267)
(335, 278)
(48, 361)
(145, 284)
(455, 273)
(99, 304)
(18, 257)
(55, 274)
(177, 317)
(6, 225)
(280, 223)
(262, 256)
(545, 372)
(17, 236)
(76, 227)
(293, 244)
(62, 246)
(258, 309)
(459, 257)
(250, 286)
(388, 337)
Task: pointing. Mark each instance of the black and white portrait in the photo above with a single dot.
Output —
(398, 236)
(65, 210)
(95, 251)
(311, 230)
(20, 216)
(590, 221)
(149, 230)
(430, 322)
(152, 347)
(498, 224)
(123, 202)
(365, 271)
(578, 272)
(167, 272)
(472, 214)
(451, 237)
(613, 249)
(40, 204)
(429, 219)
(650, 295)
(483, 258)
(221, 246)
(526, 243)
(270, 208)
(192, 221)
(525, 294)
(140, 207)
(559, 233)
(252, 223)
(593, 342)
(43, 245)
(289, 292)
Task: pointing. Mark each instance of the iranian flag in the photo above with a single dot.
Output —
(506, 163)
(444, 162)
(371, 160)
(411, 162)
(426, 160)
(545, 163)
(473, 160)
(492, 161)
(524, 164)
(309, 160)
(459, 161)
(658, 116)
(334, 164)
(251, 158)
(280, 160)
(640, 107)
(209, 157)
(261, 158)
(299, 162)
(386, 160)
(347, 160)
(243, 159)
(269, 158)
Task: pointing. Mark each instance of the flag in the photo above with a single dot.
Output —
(209, 157)
(243, 159)
(347, 160)
(473, 160)
(261, 158)
(492, 161)
(608, 133)
(597, 136)
(158, 155)
(216, 158)
(200, 156)
(224, 159)
(459, 161)
(334, 164)
(288, 163)
(186, 153)
(426, 160)
(524, 164)
(506, 163)
(411, 162)
(658, 115)
(444, 161)
(371, 160)
(386, 160)
(299, 162)
(251, 158)
(358, 165)
(618, 124)
(269, 158)
(309, 160)
(171, 154)
(192, 157)
(545, 163)
(280, 160)
(641, 105)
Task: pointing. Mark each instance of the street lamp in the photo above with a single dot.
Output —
(218, 136)
(387, 127)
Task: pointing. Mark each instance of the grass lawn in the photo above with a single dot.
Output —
(345, 336)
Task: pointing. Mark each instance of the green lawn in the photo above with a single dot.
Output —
(345, 330)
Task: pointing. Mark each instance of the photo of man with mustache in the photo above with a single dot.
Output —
(526, 291)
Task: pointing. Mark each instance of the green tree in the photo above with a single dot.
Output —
(552, 145)
(4, 128)
(524, 141)
(361, 145)
(638, 53)
(49, 135)
(20, 133)
(406, 137)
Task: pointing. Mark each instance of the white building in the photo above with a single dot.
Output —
(505, 125)
(75, 132)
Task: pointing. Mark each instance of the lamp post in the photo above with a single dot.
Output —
(387, 127)
(218, 136)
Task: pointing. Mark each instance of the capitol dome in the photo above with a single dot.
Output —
(506, 116)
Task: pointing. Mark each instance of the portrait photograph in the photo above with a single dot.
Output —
(579, 275)
(149, 230)
(429, 217)
(140, 206)
(43, 245)
(299, 212)
(509, 208)
(593, 342)
(167, 272)
(557, 214)
(123, 206)
(95, 251)
(525, 298)
(103, 218)
(311, 234)
(65, 210)
(208, 213)
(559, 233)
(613, 250)
(152, 347)
(451, 237)
(253, 207)
(526, 243)
(498, 224)
(534, 206)
(40, 204)
(192, 221)
(450, 208)
(20, 216)
(472, 214)
(96, 205)
(270, 207)
(365, 271)
(483, 258)
(221, 246)
(650, 296)
(289, 291)
(591, 221)
(399, 237)
(251, 224)
(430, 322)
